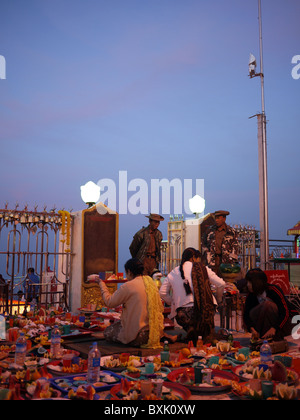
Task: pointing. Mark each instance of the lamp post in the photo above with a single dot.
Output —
(197, 205)
(90, 193)
(262, 155)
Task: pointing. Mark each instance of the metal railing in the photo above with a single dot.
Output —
(33, 240)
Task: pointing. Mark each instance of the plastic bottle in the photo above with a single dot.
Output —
(199, 344)
(230, 339)
(21, 349)
(33, 305)
(165, 354)
(265, 353)
(93, 373)
(55, 348)
(166, 346)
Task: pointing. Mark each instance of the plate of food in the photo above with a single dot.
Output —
(119, 362)
(42, 389)
(61, 368)
(219, 381)
(131, 390)
(133, 373)
(71, 383)
(277, 372)
(177, 359)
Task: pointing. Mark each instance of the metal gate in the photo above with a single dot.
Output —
(35, 258)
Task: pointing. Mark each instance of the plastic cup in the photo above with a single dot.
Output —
(255, 384)
(267, 388)
(28, 344)
(146, 387)
(75, 318)
(67, 360)
(124, 357)
(296, 364)
(287, 361)
(149, 368)
(213, 360)
(173, 356)
(68, 316)
(164, 356)
(245, 351)
(66, 329)
(157, 387)
(13, 334)
(198, 374)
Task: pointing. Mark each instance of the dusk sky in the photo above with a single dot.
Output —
(157, 88)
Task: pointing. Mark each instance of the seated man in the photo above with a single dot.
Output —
(266, 313)
(31, 285)
(141, 322)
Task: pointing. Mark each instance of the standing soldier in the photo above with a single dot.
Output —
(146, 244)
(220, 244)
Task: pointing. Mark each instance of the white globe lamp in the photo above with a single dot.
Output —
(197, 205)
(90, 193)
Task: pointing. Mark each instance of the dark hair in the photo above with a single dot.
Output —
(187, 254)
(258, 279)
(135, 266)
(201, 256)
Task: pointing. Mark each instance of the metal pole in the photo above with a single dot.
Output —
(263, 175)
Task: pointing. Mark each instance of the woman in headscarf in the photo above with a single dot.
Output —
(187, 289)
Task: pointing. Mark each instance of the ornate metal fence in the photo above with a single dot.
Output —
(35, 258)
(247, 239)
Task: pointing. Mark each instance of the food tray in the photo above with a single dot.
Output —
(181, 392)
(162, 373)
(239, 371)
(174, 375)
(66, 383)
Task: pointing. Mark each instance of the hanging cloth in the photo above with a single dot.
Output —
(155, 311)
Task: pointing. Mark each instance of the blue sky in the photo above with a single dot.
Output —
(158, 88)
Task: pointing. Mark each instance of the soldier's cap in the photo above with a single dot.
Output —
(221, 213)
(156, 217)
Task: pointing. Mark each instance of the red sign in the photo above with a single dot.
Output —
(279, 278)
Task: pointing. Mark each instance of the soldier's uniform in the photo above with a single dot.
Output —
(220, 246)
(146, 246)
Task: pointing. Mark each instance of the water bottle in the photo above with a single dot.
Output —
(93, 373)
(165, 354)
(21, 350)
(199, 344)
(265, 353)
(55, 348)
(33, 305)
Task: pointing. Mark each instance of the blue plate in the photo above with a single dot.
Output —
(66, 383)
